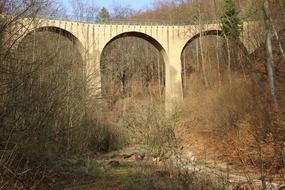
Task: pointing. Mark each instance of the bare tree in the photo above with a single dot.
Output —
(122, 12)
(83, 9)
(131, 71)
(269, 62)
(41, 98)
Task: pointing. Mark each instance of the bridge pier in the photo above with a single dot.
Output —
(92, 74)
(173, 83)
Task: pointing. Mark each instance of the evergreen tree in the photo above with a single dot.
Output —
(103, 15)
(231, 23)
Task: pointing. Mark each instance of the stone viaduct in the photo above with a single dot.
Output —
(170, 40)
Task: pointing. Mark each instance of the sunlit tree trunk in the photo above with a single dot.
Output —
(202, 56)
(229, 60)
(197, 56)
(218, 60)
(269, 56)
(185, 72)
(158, 75)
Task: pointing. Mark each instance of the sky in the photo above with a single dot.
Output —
(135, 4)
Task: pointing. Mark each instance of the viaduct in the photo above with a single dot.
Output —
(169, 39)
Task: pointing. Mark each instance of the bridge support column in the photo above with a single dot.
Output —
(92, 74)
(173, 91)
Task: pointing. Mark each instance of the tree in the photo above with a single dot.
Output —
(103, 15)
(231, 23)
(19, 112)
(82, 9)
(131, 69)
(231, 28)
(269, 55)
(122, 12)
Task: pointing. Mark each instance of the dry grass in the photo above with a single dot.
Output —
(217, 108)
(236, 125)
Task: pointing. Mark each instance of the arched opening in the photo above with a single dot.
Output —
(51, 84)
(37, 33)
(133, 71)
(205, 61)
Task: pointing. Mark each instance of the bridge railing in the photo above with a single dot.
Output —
(124, 21)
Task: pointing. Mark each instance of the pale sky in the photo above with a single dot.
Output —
(135, 4)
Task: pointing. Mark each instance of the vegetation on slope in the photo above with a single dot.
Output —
(52, 131)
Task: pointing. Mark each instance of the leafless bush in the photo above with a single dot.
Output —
(218, 108)
(146, 124)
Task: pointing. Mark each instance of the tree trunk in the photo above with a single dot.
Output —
(202, 53)
(158, 73)
(184, 71)
(270, 67)
(203, 61)
(197, 57)
(279, 41)
(229, 60)
(269, 56)
(218, 61)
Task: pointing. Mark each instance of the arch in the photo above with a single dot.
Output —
(76, 42)
(212, 32)
(144, 36)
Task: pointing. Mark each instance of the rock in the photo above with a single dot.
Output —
(114, 163)
(127, 156)
(134, 156)
(140, 156)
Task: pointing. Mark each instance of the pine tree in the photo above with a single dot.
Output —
(231, 23)
(103, 15)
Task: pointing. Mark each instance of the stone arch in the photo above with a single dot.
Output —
(153, 42)
(214, 33)
(76, 42)
(143, 36)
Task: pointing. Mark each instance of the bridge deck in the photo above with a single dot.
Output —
(128, 21)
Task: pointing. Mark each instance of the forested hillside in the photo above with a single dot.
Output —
(228, 130)
(208, 10)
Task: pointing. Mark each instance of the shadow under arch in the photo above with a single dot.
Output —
(219, 33)
(212, 33)
(76, 42)
(142, 36)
